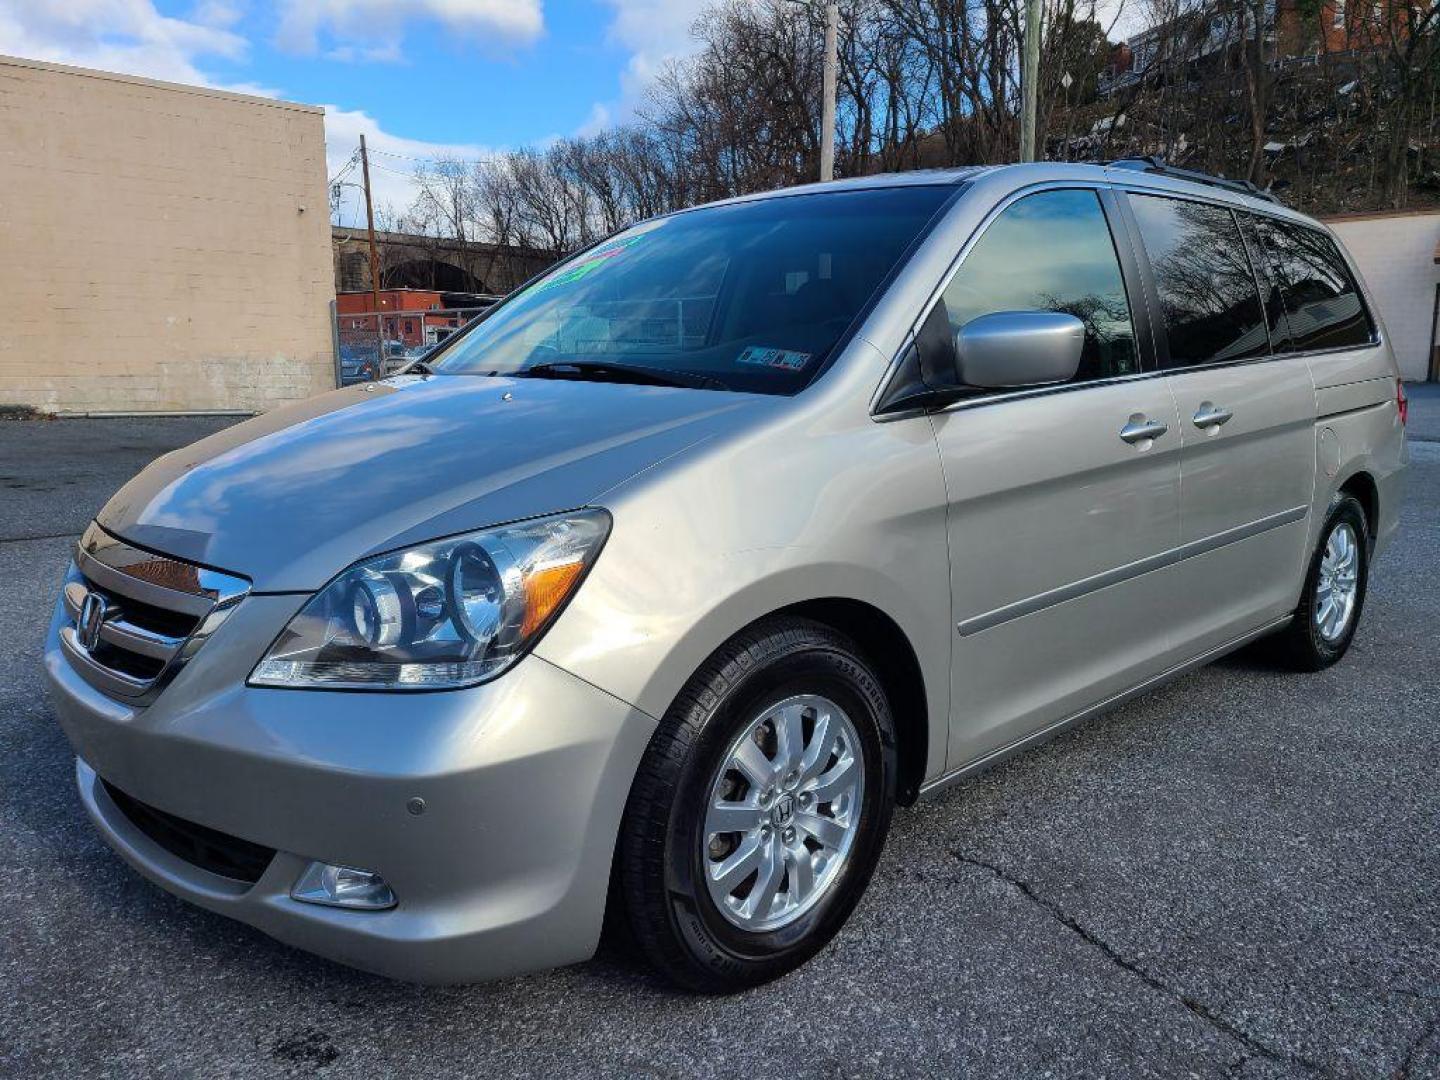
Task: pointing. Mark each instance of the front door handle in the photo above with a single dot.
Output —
(1141, 429)
(1210, 415)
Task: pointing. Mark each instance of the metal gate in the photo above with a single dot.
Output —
(371, 345)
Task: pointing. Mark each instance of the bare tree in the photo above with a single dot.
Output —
(446, 196)
(1253, 88)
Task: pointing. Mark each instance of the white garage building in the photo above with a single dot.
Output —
(1399, 254)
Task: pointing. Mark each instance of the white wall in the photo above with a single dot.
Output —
(1396, 254)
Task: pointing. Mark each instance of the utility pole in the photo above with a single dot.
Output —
(827, 110)
(370, 224)
(1030, 80)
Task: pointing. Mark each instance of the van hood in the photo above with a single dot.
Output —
(292, 497)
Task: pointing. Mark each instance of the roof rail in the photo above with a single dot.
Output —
(1154, 164)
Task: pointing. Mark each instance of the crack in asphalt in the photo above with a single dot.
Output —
(1417, 1044)
(1196, 1007)
(43, 536)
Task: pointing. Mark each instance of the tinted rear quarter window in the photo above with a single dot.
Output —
(1206, 287)
(1320, 302)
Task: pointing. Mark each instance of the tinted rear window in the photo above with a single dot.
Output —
(1207, 290)
(1320, 306)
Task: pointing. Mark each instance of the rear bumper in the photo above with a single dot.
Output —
(506, 870)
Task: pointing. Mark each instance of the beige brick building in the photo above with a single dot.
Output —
(162, 247)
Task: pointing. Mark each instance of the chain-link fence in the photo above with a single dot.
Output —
(371, 345)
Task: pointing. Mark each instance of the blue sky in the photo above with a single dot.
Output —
(420, 78)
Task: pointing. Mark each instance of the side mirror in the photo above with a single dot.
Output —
(1019, 348)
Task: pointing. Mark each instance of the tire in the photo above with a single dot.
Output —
(1311, 642)
(705, 934)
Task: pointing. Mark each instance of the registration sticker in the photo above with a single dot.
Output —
(781, 358)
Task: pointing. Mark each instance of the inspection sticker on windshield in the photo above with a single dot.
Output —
(781, 358)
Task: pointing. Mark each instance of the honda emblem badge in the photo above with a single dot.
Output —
(92, 615)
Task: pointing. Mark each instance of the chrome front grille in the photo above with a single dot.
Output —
(133, 618)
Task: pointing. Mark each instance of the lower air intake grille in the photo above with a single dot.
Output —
(209, 849)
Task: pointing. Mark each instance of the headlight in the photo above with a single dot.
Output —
(445, 614)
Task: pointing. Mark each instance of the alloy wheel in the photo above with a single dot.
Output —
(782, 812)
(1338, 588)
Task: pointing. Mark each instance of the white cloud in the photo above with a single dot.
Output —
(374, 29)
(654, 32)
(392, 161)
(128, 36)
(598, 120)
(386, 53)
(1122, 18)
(223, 14)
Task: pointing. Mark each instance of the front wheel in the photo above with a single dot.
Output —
(760, 808)
(1334, 594)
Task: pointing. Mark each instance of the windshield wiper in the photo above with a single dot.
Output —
(604, 370)
(417, 366)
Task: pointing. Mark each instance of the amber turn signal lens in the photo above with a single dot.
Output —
(546, 588)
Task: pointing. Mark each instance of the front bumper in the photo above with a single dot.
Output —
(524, 781)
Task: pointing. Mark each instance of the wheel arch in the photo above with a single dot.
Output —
(882, 641)
(1363, 486)
(879, 636)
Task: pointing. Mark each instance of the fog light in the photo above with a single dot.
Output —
(343, 886)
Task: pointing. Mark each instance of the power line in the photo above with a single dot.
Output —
(424, 160)
(350, 208)
(344, 169)
(437, 160)
(392, 172)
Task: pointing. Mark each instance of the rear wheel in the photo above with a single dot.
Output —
(1334, 595)
(760, 808)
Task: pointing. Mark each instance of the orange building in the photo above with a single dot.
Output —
(1290, 35)
(409, 316)
(1341, 26)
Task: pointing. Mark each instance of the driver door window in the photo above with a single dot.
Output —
(1052, 251)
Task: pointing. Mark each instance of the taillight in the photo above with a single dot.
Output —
(1402, 403)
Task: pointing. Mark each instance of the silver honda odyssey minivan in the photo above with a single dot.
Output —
(646, 599)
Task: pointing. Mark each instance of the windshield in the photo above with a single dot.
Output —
(751, 296)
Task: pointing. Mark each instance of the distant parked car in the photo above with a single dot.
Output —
(398, 354)
(355, 366)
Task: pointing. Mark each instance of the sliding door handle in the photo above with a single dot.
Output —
(1141, 429)
(1210, 415)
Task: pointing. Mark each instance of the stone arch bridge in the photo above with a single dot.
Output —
(409, 261)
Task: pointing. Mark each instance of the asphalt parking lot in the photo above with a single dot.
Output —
(1238, 875)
